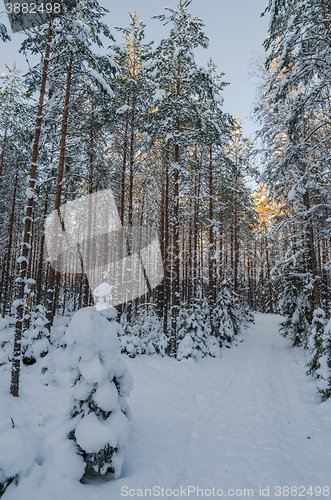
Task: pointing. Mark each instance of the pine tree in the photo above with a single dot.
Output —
(194, 332)
(227, 315)
(324, 370)
(101, 382)
(315, 342)
(293, 304)
(175, 117)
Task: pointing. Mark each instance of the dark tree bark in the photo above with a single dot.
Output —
(52, 283)
(8, 253)
(16, 363)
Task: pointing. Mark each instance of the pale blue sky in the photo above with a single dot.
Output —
(234, 28)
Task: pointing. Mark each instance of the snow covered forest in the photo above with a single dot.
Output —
(243, 226)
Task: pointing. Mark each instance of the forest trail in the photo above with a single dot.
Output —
(248, 420)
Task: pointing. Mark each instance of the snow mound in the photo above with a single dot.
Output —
(19, 448)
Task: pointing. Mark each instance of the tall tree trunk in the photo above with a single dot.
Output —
(160, 289)
(8, 254)
(211, 252)
(325, 279)
(312, 264)
(2, 159)
(41, 258)
(175, 257)
(28, 302)
(130, 194)
(236, 239)
(189, 283)
(196, 233)
(268, 271)
(125, 146)
(16, 363)
(52, 283)
(86, 294)
(167, 251)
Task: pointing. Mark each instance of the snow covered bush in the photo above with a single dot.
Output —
(324, 370)
(6, 341)
(194, 332)
(19, 449)
(229, 315)
(58, 335)
(36, 347)
(35, 343)
(315, 341)
(101, 383)
(144, 335)
(294, 305)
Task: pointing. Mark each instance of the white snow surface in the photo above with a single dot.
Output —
(246, 420)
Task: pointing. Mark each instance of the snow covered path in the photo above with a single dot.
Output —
(247, 421)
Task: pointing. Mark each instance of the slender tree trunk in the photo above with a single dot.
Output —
(2, 159)
(16, 363)
(236, 239)
(130, 194)
(268, 271)
(160, 289)
(89, 253)
(28, 303)
(8, 254)
(325, 277)
(189, 283)
(41, 258)
(52, 283)
(211, 251)
(167, 252)
(312, 264)
(175, 257)
(125, 146)
(196, 233)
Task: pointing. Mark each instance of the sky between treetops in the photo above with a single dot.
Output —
(234, 28)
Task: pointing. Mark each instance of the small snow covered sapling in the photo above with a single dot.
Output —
(37, 348)
(316, 341)
(294, 305)
(35, 343)
(6, 342)
(324, 370)
(194, 332)
(227, 315)
(101, 383)
(143, 335)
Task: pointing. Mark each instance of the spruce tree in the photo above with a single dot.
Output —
(101, 383)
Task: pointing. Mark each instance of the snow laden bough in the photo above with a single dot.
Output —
(101, 383)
